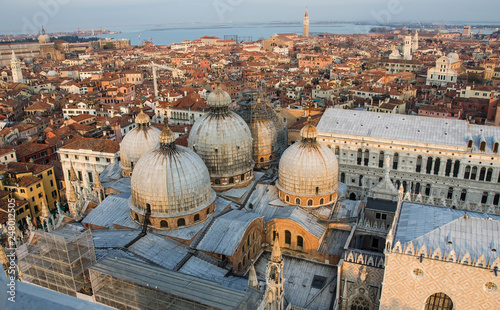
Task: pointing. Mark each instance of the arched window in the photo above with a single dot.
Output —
(427, 190)
(473, 173)
(463, 195)
(297, 201)
(287, 198)
(181, 222)
(262, 159)
(449, 165)
(288, 237)
(496, 199)
(495, 147)
(196, 217)
(217, 182)
(395, 161)
(482, 174)
(456, 168)
(317, 190)
(163, 224)
(367, 158)
(381, 159)
(231, 180)
(439, 301)
(248, 240)
(489, 174)
(437, 163)
(300, 242)
(482, 146)
(208, 211)
(450, 193)
(342, 177)
(359, 303)
(337, 150)
(428, 168)
(321, 201)
(418, 167)
(467, 172)
(484, 198)
(360, 155)
(310, 202)
(243, 177)
(136, 217)
(417, 188)
(240, 266)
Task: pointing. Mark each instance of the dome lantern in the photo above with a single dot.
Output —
(167, 137)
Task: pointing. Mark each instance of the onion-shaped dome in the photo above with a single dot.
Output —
(137, 142)
(43, 38)
(308, 172)
(171, 186)
(224, 142)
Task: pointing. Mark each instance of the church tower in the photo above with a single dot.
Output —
(305, 27)
(407, 48)
(275, 293)
(414, 46)
(15, 65)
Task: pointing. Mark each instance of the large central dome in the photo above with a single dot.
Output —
(137, 142)
(224, 142)
(172, 183)
(308, 172)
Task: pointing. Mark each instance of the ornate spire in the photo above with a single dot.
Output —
(252, 278)
(276, 254)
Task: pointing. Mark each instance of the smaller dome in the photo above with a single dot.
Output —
(52, 73)
(166, 135)
(43, 38)
(309, 131)
(219, 98)
(142, 118)
(453, 56)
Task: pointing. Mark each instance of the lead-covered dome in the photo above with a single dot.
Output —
(137, 142)
(308, 171)
(224, 142)
(172, 183)
(259, 117)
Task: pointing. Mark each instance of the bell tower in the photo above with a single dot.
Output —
(15, 65)
(305, 26)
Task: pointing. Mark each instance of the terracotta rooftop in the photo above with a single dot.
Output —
(96, 145)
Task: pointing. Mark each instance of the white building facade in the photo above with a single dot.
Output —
(444, 162)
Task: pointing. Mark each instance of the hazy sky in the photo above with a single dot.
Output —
(25, 16)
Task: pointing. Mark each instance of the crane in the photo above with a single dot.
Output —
(175, 73)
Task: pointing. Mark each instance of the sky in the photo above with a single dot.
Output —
(27, 16)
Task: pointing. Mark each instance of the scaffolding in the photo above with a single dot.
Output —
(58, 260)
(126, 284)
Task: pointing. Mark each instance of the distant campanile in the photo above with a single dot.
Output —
(305, 29)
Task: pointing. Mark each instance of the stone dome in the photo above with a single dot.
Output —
(173, 183)
(260, 118)
(308, 172)
(137, 142)
(52, 74)
(224, 142)
(43, 38)
(453, 56)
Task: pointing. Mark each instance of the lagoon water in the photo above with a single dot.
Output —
(168, 34)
